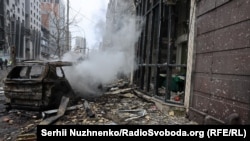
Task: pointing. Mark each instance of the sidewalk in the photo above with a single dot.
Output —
(3, 74)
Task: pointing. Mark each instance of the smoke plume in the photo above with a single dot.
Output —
(116, 56)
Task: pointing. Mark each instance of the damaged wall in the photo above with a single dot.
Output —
(218, 75)
(161, 50)
(221, 77)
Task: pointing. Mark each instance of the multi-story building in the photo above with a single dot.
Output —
(80, 45)
(22, 28)
(33, 11)
(53, 21)
(115, 19)
(2, 33)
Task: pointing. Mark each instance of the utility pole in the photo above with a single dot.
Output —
(67, 30)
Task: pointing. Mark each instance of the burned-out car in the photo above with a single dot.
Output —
(37, 85)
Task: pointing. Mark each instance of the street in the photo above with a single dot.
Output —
(118, 106)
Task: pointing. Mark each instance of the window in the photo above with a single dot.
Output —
(23, 72)
(30, 72)
(8, 14)
(59, 72)
(17, 2)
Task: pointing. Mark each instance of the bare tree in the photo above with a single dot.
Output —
(55, 21)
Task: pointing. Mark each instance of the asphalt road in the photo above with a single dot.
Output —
(3, 74)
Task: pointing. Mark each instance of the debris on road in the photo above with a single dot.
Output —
(88, 109)
(125, 106)
(135, 114)
(60, 113)
(50, 112)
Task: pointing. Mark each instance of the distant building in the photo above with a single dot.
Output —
(53, 23)
(115, 18)
(80, 45)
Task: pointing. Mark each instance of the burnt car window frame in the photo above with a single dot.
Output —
(28, 73)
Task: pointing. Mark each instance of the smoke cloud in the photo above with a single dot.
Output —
(104, 65)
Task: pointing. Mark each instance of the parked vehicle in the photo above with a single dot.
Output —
(37, 85)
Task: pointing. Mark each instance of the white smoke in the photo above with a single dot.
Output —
(105, 64)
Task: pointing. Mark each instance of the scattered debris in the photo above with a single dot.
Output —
(128, 95)
(6, 119)
(125, 106)
(60, 113)
(139, 112)
(120, 91)
(26, 137)
(88, 109)
(49, 112)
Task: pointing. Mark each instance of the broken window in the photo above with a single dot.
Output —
(162, 49)
(26, 72)
(59, 72)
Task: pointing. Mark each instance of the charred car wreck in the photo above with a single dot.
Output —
(37, 85)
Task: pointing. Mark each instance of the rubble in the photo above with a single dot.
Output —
(88, 109)
(49, 112)
(60, 113)
(135, 114)
(121, 107)
(26, 137)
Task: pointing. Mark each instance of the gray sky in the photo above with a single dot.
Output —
(90, 18)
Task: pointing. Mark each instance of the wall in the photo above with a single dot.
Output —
(221, 77)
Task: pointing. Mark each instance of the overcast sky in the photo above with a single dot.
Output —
(90, 20)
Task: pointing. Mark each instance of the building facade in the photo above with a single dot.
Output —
(2, 25)
(22, 29)
(195, 55)
(80, 45)
(220, 92)
(115, 18)
(54, 28)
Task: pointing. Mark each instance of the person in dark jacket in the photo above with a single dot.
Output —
(6, 63)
